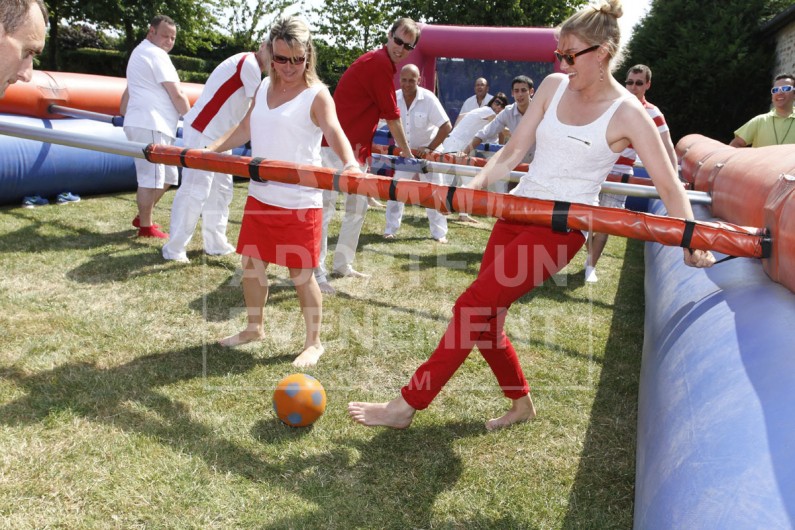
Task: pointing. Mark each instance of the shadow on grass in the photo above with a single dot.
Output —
(398, 469)
(603, 491)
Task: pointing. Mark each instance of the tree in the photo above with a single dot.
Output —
(711, 65)
(513, 13)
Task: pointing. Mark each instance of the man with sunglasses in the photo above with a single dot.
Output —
(638, 82)
(365, 94)
(774, 127)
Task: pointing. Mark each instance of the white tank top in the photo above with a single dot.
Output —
(571, 161)
(286, 133)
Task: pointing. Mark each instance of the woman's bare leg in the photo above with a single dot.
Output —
(255, 294)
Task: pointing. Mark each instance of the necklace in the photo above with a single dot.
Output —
(790, 119)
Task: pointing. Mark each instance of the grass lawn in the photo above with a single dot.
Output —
(117, 410)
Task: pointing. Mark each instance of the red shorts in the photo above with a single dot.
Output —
(290, 238)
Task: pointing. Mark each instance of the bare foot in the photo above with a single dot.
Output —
(309, 356)
(396, 414)
(522, 409)
(244, 337)
(326, 288)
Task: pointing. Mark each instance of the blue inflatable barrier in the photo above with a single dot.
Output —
(716, 420)
(28, 167)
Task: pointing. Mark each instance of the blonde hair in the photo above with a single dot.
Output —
(597, 24)
(294, 32)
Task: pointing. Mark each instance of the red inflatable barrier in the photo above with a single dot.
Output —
(749, 186)
(96, 93)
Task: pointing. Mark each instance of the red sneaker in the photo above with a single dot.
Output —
(151, 231)
(137, 223)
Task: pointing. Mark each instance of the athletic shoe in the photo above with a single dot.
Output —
(590, 274)
(151, 231)
(67, 197)
(33, 201)
(137, 223)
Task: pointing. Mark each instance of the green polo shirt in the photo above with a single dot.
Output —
(768, 129)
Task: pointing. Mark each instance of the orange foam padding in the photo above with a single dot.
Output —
(722, 237)
(96, 93)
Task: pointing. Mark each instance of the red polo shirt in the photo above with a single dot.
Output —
(365, 94)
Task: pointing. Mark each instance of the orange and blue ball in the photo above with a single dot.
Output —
(299, 400)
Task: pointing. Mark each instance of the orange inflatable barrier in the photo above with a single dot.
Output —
(722, 237)
(95, 93)
(752, 186)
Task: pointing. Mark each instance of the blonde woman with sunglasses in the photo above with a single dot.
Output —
(579, 122)
(282, 222)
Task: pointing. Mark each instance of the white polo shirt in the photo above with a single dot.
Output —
(150, 106)
(471, 103)
(226, 96)
(422, 121)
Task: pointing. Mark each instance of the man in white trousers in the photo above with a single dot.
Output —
(223, 103)
(426, 125)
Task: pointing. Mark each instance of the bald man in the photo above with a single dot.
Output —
(22, 32)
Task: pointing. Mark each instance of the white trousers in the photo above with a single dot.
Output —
(394, 209)
(204, 194)
(352, 221)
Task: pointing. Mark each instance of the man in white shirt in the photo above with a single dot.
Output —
(480, 99)
(22, 31)
(152, 105)
(223, 103)
(426, 125)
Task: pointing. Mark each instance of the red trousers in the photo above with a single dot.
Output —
(518, 257)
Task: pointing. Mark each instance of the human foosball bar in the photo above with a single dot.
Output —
(722, 237)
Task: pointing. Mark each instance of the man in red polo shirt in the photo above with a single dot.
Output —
(365, 94)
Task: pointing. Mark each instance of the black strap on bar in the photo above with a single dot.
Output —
(449, 201)
(148, 151)
(335, 180)
(625, 178)
(182, 158)
(560, 216)
(687, 234)
(391, 149)
(424, 166)
(727, 258)
(253, 169)
(393, 189)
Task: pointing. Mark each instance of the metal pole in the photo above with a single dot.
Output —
(73, 139)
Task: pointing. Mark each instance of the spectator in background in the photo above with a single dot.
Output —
(426, 125)
(638, 82)
(151, 106)
(466, 127)
(480, 99)
(22, 32)
(223, 103)
(365, 93)
(774, 127)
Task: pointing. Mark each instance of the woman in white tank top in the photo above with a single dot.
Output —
(289, 116)
(579, 122)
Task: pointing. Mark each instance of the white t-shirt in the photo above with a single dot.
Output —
(472, 103)
(150, 106)
(422, 121)
(286, 133)
(465, 130)
(226, 96)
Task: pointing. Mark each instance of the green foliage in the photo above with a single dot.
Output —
(711, 65)
(94, 61)
(538, 13)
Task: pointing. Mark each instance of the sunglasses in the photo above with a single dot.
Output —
(569, 57)
(281, 59)
(785, 88)
(401, 42)
(637, 82)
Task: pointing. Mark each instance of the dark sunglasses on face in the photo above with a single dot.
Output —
(785, 88)
(281, 59)
(637, 82)
(569, 57)
(401, 42)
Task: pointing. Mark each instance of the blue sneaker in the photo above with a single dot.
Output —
(33, 201)
(67, 197)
